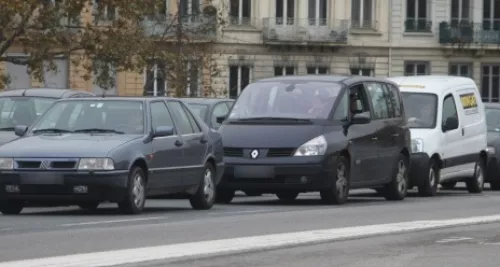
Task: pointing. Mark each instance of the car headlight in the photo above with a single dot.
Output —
(314, 147)
(6, 163)
(417, 145)
(96, 164)
(491, 150)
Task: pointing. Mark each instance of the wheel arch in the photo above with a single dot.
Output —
(141, 163)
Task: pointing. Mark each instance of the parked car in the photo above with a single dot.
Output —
(23, 106)
(294, 134)
(447, 121)
(493, 123)
(210, 108)
(90, 150)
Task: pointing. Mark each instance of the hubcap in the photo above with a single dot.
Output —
(208, 188)
(401, 176)
(341, 183)
(138, 190)
(479, 175)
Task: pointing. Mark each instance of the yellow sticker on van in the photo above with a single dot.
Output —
(412, 86)
(469, 103)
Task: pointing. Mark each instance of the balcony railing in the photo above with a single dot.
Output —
(466, 32)
(371, 25)
(191, 26)
(418, 25)
(305, 30)
(242, 22)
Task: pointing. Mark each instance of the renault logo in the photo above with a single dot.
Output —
(254, 154)
(45, 164)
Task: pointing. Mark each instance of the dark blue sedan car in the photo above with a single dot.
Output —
(91, 150)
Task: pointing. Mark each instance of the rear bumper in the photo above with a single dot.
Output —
(59, 186)
(419, 168)
(270, 175)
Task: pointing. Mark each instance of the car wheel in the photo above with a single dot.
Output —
(89, 205)
(449, 185)
(11, 207)
(224, 196)
(253, 193)
(338, 193)
(475, 184)
(495, 185)
(397, 189)
(205, 196)
(429, 186)
(287, 196)
(136, 192)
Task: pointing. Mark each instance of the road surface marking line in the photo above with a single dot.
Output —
(114, 221)
(238, 245)
(242, 211)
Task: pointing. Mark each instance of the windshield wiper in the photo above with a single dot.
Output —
(7, 129)
(98, 130)
(52, 130)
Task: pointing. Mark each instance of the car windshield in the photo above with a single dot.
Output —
(493, 119)
(21, 110)
(420, 109)
(101, 116)
(297, 100)
(199, 109)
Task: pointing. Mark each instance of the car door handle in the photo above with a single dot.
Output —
(374, 138)
(178, 143)
(395, 135)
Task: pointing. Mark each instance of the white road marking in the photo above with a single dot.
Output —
(241, 211)
(232, 245)
(454, 239)
(114, 221)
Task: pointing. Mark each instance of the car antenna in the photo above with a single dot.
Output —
(24, 92)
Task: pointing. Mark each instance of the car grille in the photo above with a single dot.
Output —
(233, 152)
(50, 164)
(271, 152)
(280, 152)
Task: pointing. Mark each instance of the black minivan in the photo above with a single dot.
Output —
(293, 134)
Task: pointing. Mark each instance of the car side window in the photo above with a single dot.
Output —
(160, 116)
(342, 111)
(221, 109)
(396, 99)
(183, 124)
(449, 109)
(192, 120)
(378, 94)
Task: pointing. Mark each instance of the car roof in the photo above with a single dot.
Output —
(333, 78)
(43, 92)
(492, 105)
(435, 84)
(209, 101)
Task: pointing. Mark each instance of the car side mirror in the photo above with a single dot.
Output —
(221, 119)
(20, 130)
(361, 118)
(162, 131)
(450, 124)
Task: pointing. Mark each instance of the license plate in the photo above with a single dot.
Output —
(254, 172)
(42, 178)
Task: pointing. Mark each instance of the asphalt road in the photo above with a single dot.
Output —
(44, 232)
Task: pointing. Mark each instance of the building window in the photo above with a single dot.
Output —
(418, 16)
(189, 10)
(285, 12)
(416, 68)
(239, 78)
(284, 70)
(363, 14)
(106, 13)
(155, 80)
(317, 12)
(458, 69)
(193, 78)
(317, 70)
(490, 83)
(240, 12)
(460, 11)
(362, 72)
(491, 15)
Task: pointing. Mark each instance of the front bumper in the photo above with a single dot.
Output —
(419, 170)
(59, 186)
(271, 175)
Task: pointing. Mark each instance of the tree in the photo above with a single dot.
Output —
(99, 35)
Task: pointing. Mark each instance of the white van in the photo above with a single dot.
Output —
(448, 129)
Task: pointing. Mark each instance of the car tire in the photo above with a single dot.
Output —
(204, 198)
(287, 196)
(136, 192)
(397, 189)
(430, 185)
(495, 185)
(339, 191)
(91, 206)
(475, 185)
(224, 196)
(449, 185)
(11, 207)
